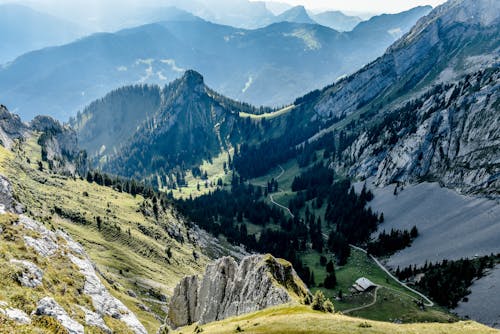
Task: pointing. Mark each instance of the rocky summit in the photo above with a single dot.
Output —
(230, 289)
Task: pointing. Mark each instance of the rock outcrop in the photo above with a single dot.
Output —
(59, 146)
(11, 127)
(229, 289)
(58, 142)
(7, 203)
(30, 275)
(14, 314)
(104, 303)
(49, 307)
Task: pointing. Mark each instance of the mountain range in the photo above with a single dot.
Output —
(268, 66)
(417, 61)
(108, 221)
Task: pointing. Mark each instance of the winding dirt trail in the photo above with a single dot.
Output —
(364, 306)
(271, 196)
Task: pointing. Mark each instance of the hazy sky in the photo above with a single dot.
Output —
(106, 10)
(377, 6)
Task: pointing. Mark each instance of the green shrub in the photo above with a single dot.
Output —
(321, 303)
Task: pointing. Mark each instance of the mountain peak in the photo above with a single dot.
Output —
(297, 14)
(480, 13)
(192, 78)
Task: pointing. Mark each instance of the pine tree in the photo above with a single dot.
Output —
(329, 267)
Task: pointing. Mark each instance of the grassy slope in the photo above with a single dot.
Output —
(301, 319)
(214, 170)
(127, 260)
(395, 302)
(61, 280)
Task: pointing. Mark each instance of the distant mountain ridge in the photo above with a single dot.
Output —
(296, 14)
(456, 41)
(337, 20)
(23, 29)
(374, 93)
(267, 66)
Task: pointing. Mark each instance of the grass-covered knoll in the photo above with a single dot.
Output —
(134, 247)
(301, 319)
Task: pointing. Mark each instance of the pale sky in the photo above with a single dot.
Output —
(375, 6)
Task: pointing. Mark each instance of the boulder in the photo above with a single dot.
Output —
(94, 319)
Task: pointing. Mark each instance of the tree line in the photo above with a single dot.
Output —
(448, 282)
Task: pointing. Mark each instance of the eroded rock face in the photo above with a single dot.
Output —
(230, 289)
(7, 203)
(59, 146)
(452, 136)
(11, 127)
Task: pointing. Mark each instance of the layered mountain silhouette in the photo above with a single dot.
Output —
(158, 130)
(23, 29)
(337, 20)
(268, 66)
(195, 123)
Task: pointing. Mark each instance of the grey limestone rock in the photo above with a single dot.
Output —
(94, 319)
(229, 289)
(49, 307)
(15, 314)
(455, 140)
(31, 276)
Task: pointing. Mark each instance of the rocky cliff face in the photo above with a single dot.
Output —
(229, 289)
(451, 134)
(11, 127)
(59, 146)
(58, 142)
